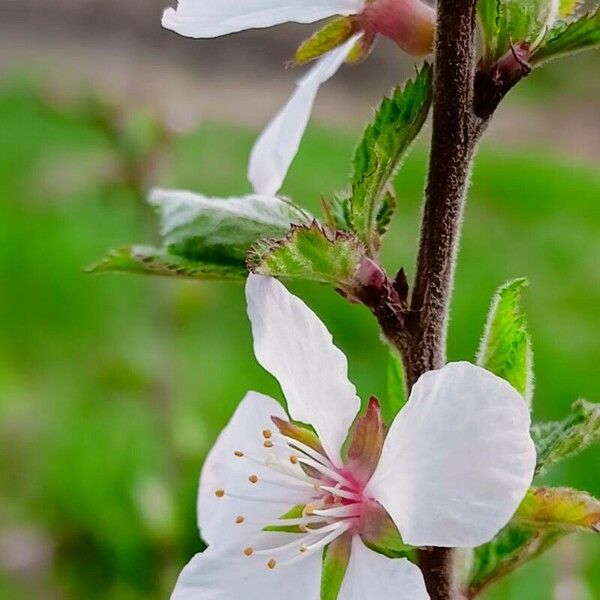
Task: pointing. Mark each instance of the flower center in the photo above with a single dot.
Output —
(332, 500)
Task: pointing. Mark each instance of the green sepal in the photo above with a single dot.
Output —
(396, 124)
(505, 348)
(146, 260)
(295, 513)
(558, 440)
(309, 253)
(333, 34)
(381, 535)
(508, 22)
(559, 508)
(571, 36)
(336, 557)
(396, 388)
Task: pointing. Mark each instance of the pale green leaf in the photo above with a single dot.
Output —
(562, 439)
(569, 37)
(309, 253)
(561, 508)
(146, 260)
(336, 557)
(505, 347)
(386, 140)
(333, 34)
(396, 388)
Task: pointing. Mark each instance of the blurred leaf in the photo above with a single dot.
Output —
(507, 22)
(220, 230)
(505, 348)
(570, 36)
(510, 549)
(561, 439)
(153, 261)
(336, 557)
(334, 33)
(385, 142)
(396, 388)
(561, 508)
(309, 253)
(568, 7)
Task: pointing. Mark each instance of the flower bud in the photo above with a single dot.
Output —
(409, 23)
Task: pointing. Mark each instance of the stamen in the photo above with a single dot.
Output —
(238, 453)
(267, 434)
(253, 479)
(239, 520)
(325, 470)
(294, 459)
(349, 510)
(268, 444)
(248, 551)
(290, 442)
(336, 491)
(272, 563)
(219, 493)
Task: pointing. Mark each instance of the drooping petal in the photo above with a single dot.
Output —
(295, 347)
(277, 146)
(226, 476)
(212, 18)
(225, 575)
(457, 460)
(377, 577)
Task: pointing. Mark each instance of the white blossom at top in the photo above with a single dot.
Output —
(451, 471)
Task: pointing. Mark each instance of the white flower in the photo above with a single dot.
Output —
(451, 471)
(410, 23)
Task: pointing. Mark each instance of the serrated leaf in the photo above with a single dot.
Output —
(220, 230)
(506, 22)
(334, 33)
(386, 212)
(309, 253)
(570, 37)
(336, 557)
(505, 347)
(559, 508)
(396, 388)
(146, 260)
(561, 439)
(513, 547)
(386, 140)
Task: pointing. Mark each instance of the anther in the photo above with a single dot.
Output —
(309, 509)
(239, 520)
(268, 444)
(272, 563)
(294, 459)
(303, 548)
(267, 434)
(219, 493)
(253, 478)
(238, 453)
(248, 551)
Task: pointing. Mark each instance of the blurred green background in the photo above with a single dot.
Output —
(113, 387)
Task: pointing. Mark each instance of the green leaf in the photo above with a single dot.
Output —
(505, 347)
(559, 508)
(510, 549)
(334, 33)
(506, 22)
(336, 557)
(385, 143)
(220, 230)
(568, 7)
(570, 37)
(309, 253)
(146, 260)
(396, 388)
(562, 439)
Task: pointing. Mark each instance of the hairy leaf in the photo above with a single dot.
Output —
(334, 33)
(153, 261)
(336, 557)
(561, 508)
(569, 37)
(506, 22)
(561, 439)
(309, 253)
(505, 348)
(397, 123)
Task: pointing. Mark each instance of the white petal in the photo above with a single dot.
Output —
(277, 146)
(212, 18)
(295, 347)
(224, 471)
(219, 575)
(376, 577)
(457, 460)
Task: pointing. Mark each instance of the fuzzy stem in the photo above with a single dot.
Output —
(453, 144)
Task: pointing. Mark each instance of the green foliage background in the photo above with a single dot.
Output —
(113, 387)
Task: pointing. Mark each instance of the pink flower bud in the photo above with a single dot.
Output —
(409, 23)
